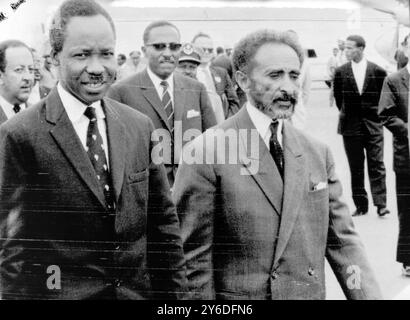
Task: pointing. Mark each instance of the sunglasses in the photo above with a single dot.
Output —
(208, 50)
(161, 46)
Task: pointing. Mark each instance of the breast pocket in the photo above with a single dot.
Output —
(138, 176)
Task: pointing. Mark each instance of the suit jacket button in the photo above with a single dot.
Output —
(274, 275)
(311, 271)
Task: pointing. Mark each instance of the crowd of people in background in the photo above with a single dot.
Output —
(80, 187)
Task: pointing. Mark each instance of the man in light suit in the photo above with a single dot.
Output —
(16, 77)
(216, 80)
(357, 86)
(393, 110)
(85, 211)
(260, 225)
(175, 103)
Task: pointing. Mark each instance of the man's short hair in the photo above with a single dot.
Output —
(157, 24)
(4, 45)
(219, 50)
(359, 40)
(68, 10)
(247, 47)
(200, 35)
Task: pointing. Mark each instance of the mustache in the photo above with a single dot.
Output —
(292, 97)
(167, 59)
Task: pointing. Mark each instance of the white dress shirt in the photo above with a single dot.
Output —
(8, 107)
(204, 76)
(157, 84)
(359, 72)
(75, 110)
(262, 124)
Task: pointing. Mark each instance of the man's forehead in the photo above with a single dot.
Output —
(277, 54)
(19, 56)
(163, 33)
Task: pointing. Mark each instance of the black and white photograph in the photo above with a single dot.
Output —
(179, 151)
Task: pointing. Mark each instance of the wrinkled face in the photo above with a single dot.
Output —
(17, 79)
(135, 58)
(207, 46)
(273, 81)
(353, 52)
(87, 63)
(162, 60)
(188, 68)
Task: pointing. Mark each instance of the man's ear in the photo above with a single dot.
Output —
(144, 49)
(1, 78)
(242, 80)
(55, 58)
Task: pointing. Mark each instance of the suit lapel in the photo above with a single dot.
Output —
(66, 138)
(405, 77)
(350, 76)
(117, 147)
(150, 93)
(3, 117)
(267, 176)
(293, 189)
(367, 76)
(179, 106)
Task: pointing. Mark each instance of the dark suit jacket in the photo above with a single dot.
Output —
(225, 90)
(190, 98)
(393, 110)
(358, 113)
(53, 211)
(223, 61)
(232, 214)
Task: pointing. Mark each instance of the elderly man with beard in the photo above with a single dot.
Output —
(263, 231)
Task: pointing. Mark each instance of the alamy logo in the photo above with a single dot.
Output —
(54, 280)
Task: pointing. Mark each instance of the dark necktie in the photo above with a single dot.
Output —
(275, 148)
(97, 156)
(167, 103)
(16, 108)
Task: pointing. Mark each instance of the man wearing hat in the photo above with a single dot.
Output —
(189, 60)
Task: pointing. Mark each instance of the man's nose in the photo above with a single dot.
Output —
(95, 66)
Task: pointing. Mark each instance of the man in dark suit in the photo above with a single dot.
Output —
(16, 77)
(175, 103)
(85, 211)
(393, 109)
(259, 225)
(216, 80)
(223, 61)
(357, 88)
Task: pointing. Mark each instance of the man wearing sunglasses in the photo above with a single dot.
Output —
(174, 102)
(216, 80)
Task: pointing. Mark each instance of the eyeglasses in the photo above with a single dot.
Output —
(161, 46)
(208, 50)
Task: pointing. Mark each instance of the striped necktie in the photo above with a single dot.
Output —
(167, 103)
(275, 147)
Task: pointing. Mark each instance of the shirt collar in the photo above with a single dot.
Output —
(261, 121)
(361, 63)
(8, 107)
(157, 80)
(75, 108)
